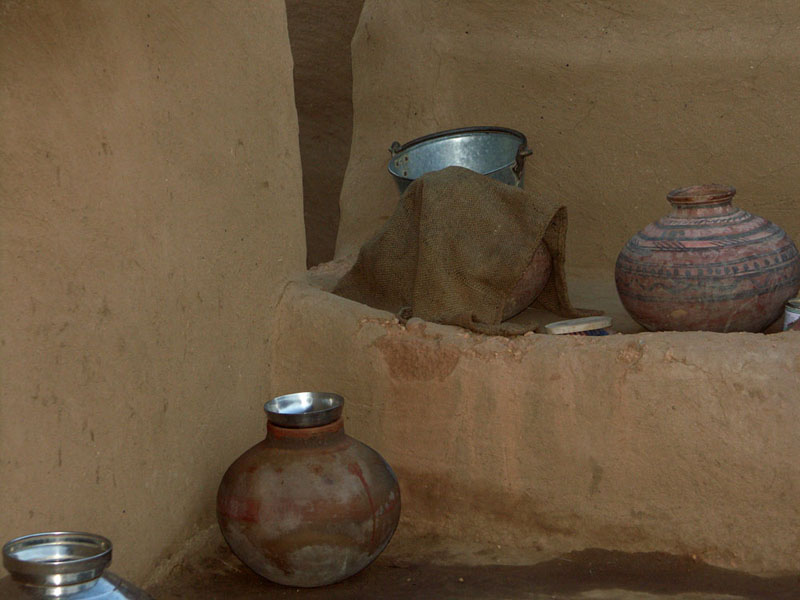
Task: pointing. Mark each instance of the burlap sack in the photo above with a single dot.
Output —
(454, 249)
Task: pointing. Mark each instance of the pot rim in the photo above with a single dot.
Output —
(304, 409)
(707, 193)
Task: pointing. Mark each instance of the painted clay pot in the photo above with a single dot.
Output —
(309, 505)
(707, 266)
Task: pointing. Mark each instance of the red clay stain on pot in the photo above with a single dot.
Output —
(356, 470)
(417, 359)
(239, 509)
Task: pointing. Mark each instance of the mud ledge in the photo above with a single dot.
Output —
(413, 568)
(682, 443)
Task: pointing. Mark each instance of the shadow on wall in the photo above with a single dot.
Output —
(320, 32)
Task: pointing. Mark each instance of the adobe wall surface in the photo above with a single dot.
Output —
(151, 211)
(525, 447)
(320, 32)
(676, 442)
(621, 102)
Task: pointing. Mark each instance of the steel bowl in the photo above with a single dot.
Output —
(57, 558)
(68, 565)
(304, 409)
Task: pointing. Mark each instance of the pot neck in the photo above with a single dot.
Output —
(305, 437)
(702, 201)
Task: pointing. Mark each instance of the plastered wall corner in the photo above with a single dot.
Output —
(620, 101)
(151, 214)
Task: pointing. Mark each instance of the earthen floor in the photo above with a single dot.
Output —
(586, 575)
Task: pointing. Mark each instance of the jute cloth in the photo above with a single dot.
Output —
(455, 247)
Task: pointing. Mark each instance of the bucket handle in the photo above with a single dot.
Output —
(519, 163)
(397, 147)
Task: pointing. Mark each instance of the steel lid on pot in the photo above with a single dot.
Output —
(304, 409)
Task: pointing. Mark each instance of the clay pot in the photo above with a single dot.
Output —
(309, 505)
(532, 282)
(707, 266)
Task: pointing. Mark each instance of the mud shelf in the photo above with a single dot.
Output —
(674, 442)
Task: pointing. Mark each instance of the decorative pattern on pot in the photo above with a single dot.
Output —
(707, 266)
(309, 505)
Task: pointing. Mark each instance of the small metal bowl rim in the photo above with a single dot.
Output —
(29, 570)
(312, 418)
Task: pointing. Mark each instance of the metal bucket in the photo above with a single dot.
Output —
(494, 151)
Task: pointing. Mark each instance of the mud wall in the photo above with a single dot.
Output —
(151, 210)
(621, 102)
(668, 442)
(320, 32)
(513, 450)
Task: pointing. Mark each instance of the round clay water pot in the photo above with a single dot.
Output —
(707, 266)
(309, 505)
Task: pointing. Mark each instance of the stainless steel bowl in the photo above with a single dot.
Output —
(57, 558)
(304, 409)
(68, 565)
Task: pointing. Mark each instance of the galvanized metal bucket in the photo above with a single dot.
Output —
(494, 151)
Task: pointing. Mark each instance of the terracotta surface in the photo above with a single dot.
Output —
(320, 32)
(674, 442)
(144, 172)
(707, 266)
(308, 507)
(620, 102)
